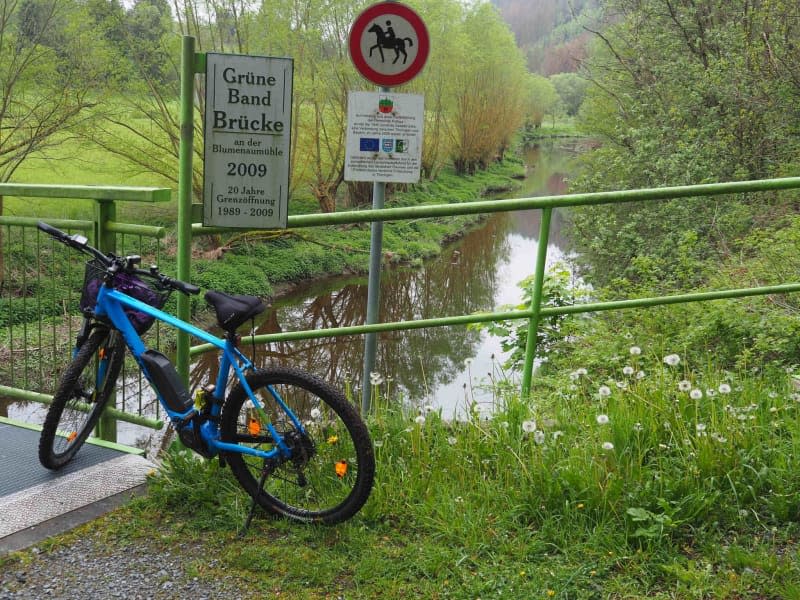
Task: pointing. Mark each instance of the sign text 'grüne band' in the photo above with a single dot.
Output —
(247, 126)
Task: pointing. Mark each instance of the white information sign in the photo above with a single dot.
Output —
(384, 137)
(247, 136)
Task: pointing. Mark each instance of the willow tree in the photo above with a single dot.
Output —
(323, 77)
(51, 72)
(489, 102)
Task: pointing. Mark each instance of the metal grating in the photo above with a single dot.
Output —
(31, 494)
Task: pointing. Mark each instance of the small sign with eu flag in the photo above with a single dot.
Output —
(384, 137)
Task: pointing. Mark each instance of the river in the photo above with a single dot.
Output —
(446, 368)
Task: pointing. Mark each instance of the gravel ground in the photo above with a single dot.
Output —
(98, 569)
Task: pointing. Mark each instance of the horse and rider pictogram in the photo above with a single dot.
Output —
(389, 43)
(388, 40)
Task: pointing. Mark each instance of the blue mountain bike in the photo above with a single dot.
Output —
(294, 443)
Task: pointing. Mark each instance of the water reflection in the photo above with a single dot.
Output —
(444, 366)
(461, 281)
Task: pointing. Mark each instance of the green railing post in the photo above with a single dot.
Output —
(185, 198)
(105, 213)
(536, 300)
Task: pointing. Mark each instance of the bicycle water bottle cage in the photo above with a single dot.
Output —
(233, 309)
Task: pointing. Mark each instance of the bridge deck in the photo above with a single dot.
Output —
(36, 503)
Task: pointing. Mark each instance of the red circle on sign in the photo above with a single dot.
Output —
(381, 10)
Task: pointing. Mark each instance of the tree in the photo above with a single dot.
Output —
(685, 91)
(49, 75)
(571, 88)
(542, 100)
(490, 94)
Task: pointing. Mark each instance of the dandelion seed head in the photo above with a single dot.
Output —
(452, 440)
(672, 359)
(467, 362)
(637, 427)
(635, 351)
(538, 436)
(627, 370)
(602, 419)
(604, 391)
(529, 426)
(420, 420)
(724, 388)
(700, 427)
(581, 372)
(608, 446)
(557, 434)
(315, 413)
(684, 386)
(695, 394)
(641, 375)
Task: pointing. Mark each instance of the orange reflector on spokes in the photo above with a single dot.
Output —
(253, 427)
(72, 436)
(341, 468)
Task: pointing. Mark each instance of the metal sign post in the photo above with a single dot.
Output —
(389, 45)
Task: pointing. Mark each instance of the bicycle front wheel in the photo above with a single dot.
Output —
(81, 396)
(332, 466)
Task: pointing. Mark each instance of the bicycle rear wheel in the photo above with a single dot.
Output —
(81, 396)
(332, 469)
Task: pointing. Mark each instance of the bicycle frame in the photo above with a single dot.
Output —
(110, 305)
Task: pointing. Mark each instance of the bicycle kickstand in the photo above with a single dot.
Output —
(264, 472)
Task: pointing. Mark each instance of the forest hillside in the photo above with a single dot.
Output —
(551, 33)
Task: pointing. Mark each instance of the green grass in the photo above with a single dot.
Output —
(563, 127)
(657, 480)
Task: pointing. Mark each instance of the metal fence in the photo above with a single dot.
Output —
(23, 290)
(40, 283)
(537, 311)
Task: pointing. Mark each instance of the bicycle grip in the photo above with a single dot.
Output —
(52, 231)
(187, 288)
(181, 286)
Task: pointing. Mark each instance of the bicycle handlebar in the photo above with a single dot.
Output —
(126, 264)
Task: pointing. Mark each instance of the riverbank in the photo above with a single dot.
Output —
(267, 264)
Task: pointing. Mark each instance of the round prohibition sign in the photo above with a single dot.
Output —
(389, 44)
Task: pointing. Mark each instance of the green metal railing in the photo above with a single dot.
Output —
(41, 337)
(536, 311)
(105, 230)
